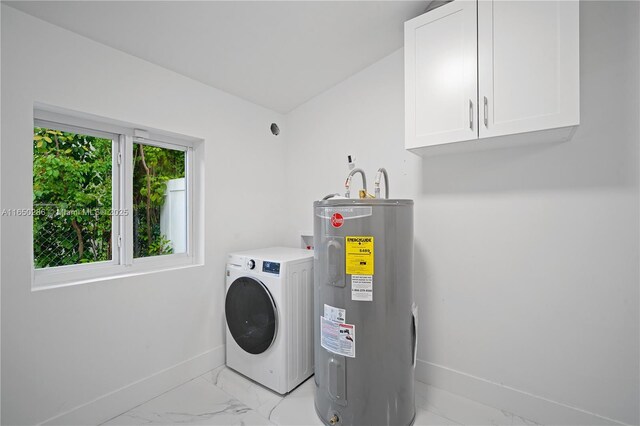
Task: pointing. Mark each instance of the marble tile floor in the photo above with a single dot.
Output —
(223, 397)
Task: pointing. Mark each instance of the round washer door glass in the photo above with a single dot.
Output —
(251, 315)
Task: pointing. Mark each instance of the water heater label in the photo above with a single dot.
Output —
(359, 255)
(361, 288)
(334, 314)
(347, 213)
(338, 338)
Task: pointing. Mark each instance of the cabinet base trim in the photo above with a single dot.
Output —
(561, 134)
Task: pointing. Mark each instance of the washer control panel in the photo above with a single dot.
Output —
(271, 267)
(255, 265)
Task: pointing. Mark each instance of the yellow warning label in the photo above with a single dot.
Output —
(359, 255)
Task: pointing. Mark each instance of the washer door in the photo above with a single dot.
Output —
(251, 315)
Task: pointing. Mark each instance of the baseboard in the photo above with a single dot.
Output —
(121, 400)
(537, 408)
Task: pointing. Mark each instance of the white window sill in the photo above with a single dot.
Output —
(48, 281)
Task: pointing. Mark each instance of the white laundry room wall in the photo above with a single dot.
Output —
(526, 259)
(83, 353)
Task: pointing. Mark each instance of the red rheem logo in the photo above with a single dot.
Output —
(337, 220)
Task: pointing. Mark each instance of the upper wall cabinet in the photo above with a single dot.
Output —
(441, 81)
(492, 72)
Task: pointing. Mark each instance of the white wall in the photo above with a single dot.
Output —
(526, 259)
(65, 347)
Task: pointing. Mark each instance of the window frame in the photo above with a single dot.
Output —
(122, 262)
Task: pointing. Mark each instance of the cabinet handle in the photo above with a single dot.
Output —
(470, 114)
(486, 112)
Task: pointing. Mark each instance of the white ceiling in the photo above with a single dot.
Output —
(277, 54)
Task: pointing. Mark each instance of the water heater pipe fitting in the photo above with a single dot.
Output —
(381, 172)
(347, 183)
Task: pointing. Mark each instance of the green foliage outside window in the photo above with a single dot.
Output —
(152, 168)
(72, 197)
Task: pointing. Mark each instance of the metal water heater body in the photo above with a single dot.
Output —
(365, 318)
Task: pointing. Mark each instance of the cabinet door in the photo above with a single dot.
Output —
(441, 76)
(528, 64)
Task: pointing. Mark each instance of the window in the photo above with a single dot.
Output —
(109, 200)
(72, 197)
(159, 201)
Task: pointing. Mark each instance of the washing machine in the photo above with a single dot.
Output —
(268, 310)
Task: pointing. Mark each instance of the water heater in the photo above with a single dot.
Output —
(364, 314)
